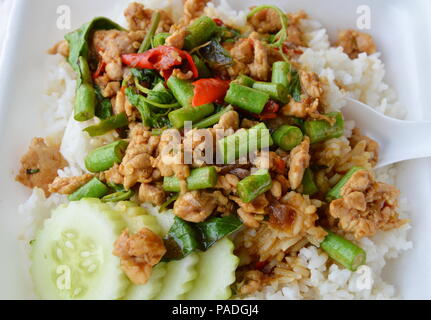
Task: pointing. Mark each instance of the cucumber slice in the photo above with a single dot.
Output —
(72, 254)
(149, 290)
(165, 219)
(137, 218)
(179, 278)
(216, 272)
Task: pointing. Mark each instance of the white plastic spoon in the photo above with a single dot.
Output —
(399, 140)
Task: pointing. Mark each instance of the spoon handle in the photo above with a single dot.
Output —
(408, 140)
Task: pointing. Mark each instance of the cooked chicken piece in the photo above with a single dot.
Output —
(137, 162)
(136, 165)
(294, 32)
(354, 42)
(266, 21)
(366, 206)
(260, 67)
(139, 18)
(61, 47)
(151, 194)
(193, 9)
(68, 185)
(251, 212)
(251, 58)
(311, 84)
(110, 45)
(113, 175)
(178, 73)
(111, 89)
(176, 39)
(138, 253)
(227, 183)
(170, 160)
(371, 146)
(195, 206)
(229, 120)
(307, 107)
(299, 161)
(40, 164)
(119, 103)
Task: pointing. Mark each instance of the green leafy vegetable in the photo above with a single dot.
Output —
(215, 229)
(295, 86)
(215, 55)
(103, 105)
(78, 39)
(280, 38)
(151, 115)
(168, 202)
(148, 76)
(183, 238)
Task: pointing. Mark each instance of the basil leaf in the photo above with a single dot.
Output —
(136, 100)
(183, 238)
(215, 55)
(150, 77)
(215, 229)
(295, 86)
(78, 39)
(103, 106)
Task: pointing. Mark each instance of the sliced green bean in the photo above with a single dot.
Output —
(118, 121)
(182, 90)
(155, 20)
(335, 192)
(246, 98)
(287, 137)
(105, 157)
(201, 178)
(244, 142)
(212, 120)
(281, 73)
(275, 90)
(309, 186)
(193, 114)
(92, 189)
(254, 185)
(200, 31)
(84, 69)
(245, 80)
(85, 102)
(321, 130)
(344, 251)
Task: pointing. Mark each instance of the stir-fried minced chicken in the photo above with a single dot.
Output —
(366, 206)
(138, 253)
(40, 164)
(139, 18)
(68, 185)
(354, 42)
(288, 208)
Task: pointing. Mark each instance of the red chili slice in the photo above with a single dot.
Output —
(209, 90)
(162, 58)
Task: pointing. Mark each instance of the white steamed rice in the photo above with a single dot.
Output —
(362, 79)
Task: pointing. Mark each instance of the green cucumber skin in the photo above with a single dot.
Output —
(59, 269)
